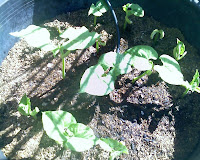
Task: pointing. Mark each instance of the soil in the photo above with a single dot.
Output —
(150, 116)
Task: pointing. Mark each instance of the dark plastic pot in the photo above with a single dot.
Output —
(18, 14)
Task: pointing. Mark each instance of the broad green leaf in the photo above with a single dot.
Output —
(25, 106)
(79, 38)
(78, 144)
(124, 64)
(100, 8)
(133, 9)
(83, 138)
(116, 148)
(121, 63)
(82, 131)
(195, 81)
(36, 36)
(55, 123)
(94, 83)
(109, 59)
(141, 56)
(170, 72)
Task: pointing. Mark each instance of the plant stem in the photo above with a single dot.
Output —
(186, 91)
(197, 89)
(95, 20)
(125, 24)
(97, 45)
(148, 72)
(63, 68)
(63, 61)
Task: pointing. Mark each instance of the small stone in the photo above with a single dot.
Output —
(50, 65)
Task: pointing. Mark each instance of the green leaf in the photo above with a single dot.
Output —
(179, 51)
(156, 31)
(94, 83)
(25, 106)
(55, 122)
(116, 148)
(133, 9)
(141, 56)
(83, 138)
(82, 131)
(79, 38)
(35, 112)
(36, 36)
(170, 72)
(195, 81)
(121, 63)
(100, 8)
(79, 144)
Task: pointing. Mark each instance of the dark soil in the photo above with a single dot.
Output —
(150, 117)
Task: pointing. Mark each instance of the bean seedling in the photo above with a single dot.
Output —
(25, 107)
(179, 51)
(73, 39)
(98, 9)
(97, 81)
(132, 9)
(62, 127)
(157, 34)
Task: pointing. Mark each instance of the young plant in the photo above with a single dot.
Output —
(63, 128)
(98, 9)
(179, 51)
(100, 79)
(25, 107)
(132, 9)
(194, 84)
(73, 39)
(157, 34)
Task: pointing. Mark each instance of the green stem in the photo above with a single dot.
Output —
(125, 24)
(95, 20)
(148, 72)
(186, 91)
(63, 61)
(197, 89)
(97, 45)
(63, 68)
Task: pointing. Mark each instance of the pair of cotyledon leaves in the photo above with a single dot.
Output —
(39, 37)
(98, 9)
(100, 79)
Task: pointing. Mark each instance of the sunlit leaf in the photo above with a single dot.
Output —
(83, 138)
(133, 9)
(55, 122)
(94, 83)
(100, 8)
(78, 144)
(116, 148)
(170, 72)
(79, 38)
(25, 106)
(195, 81)
(36, 36)
(141, 56)
(120, 63)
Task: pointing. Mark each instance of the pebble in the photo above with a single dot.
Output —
(50, 65)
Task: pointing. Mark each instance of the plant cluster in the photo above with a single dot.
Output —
(100, 79)
(62, 127)
(72, 39)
